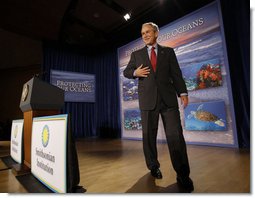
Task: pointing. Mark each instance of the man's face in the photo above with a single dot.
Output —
(149, 36)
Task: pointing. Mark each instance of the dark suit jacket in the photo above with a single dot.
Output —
(167, 80)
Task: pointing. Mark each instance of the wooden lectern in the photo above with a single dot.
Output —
(38, 99)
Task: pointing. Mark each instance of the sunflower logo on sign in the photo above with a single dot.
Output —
(45, 135)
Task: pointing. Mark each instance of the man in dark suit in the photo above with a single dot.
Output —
(160, 80)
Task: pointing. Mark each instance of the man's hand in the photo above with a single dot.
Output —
(142, 72)
(184, 101)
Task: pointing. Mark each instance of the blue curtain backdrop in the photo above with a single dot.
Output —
(101, 118)
(236, 19)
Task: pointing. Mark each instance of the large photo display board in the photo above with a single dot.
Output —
(48, 151)
(199, 43)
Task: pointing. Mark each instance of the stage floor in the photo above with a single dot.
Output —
(118, 166)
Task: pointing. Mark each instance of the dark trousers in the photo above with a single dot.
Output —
(174, 135)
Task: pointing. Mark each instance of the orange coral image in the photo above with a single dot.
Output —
(209, 76)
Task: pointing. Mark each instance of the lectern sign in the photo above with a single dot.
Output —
(48, 151)
(16, 140)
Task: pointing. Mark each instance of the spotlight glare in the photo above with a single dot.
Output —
(127, 16)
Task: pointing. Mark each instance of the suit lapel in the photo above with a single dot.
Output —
(160, 55)
(145, 57)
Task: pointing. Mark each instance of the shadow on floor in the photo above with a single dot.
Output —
(6, 162)
(33, 185)
(147, 184)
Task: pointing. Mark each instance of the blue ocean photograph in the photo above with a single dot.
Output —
(132, 119)
(129, 87)
(202, 75)
(205, 116)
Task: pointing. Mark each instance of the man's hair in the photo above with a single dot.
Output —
(153, 25)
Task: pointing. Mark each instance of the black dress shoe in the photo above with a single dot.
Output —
(155, 172)
(186, 183)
